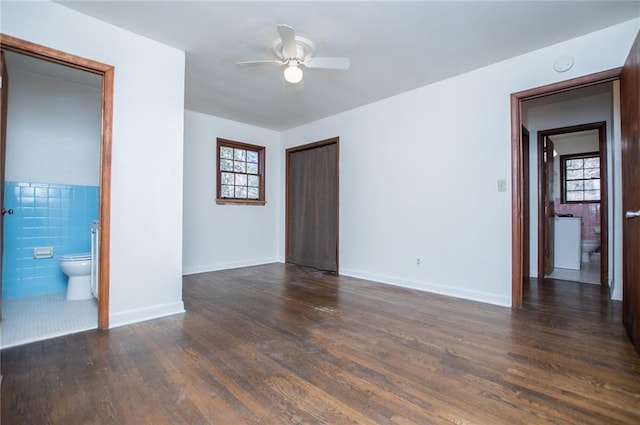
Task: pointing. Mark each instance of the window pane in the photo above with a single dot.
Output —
(239, 167)
(241, 192)
(573, 164)
(241, 179)
(226, 152)
(239, 154)
(575, 196)
(252, 156)
(575, 174)
(592, 184)
(227, 191)
(227, 178)
(253, 193)
(591, 173)
(226, 165)
(253, 181)
(592, 195)
(252, 168)
(576, 185)
(592, 163)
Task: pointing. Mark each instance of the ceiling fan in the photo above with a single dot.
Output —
(296, 52)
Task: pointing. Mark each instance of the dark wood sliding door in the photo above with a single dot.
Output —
(312, 205)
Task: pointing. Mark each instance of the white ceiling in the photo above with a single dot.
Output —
(394, 46)
(17, 61)
(590, 135)
(578, 142)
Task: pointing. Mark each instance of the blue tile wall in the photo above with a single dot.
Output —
(57, 215)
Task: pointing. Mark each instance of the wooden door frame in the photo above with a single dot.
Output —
(601, 126)
(308, 146)
(517, 220)
(107, 73)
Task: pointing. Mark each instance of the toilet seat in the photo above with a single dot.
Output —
(85, 256)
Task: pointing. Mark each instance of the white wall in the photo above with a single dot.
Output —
(226, 236)
(419, 172)
(615, 204)
(148, 118)
(53, 130)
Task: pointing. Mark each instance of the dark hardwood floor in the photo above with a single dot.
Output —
(279, 344)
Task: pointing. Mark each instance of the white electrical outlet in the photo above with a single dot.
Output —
(418, 261)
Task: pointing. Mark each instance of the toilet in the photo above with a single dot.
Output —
(78, 268)
(588, 246)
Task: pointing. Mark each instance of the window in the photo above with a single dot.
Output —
(240, 173)
(580, 176)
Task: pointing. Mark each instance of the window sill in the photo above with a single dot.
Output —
(226, 201)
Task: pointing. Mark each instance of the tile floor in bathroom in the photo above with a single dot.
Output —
(588, 273)
(35, 318)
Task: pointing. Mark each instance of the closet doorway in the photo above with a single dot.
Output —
(312, 205)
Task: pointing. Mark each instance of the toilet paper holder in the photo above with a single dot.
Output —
(43, 252)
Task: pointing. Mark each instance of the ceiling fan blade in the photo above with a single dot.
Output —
(288, 37)
(328, 63)
(261, 62)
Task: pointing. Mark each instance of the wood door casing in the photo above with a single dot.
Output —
(630, 130)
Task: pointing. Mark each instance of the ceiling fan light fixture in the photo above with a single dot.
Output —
(292, 73)
(294, 52)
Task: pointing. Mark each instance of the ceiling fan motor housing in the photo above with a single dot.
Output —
(304, 49)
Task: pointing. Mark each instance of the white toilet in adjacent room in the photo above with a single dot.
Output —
(588, 246)
(78, 268)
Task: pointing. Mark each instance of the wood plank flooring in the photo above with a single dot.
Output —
(279, 344)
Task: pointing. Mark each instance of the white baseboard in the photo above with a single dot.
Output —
(390, 280)
(128, 317)
(467, 294)
(229, 265)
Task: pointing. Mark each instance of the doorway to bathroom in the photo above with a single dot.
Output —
(625, 206)
(573, 207)
(58, 182)
(570, 177)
